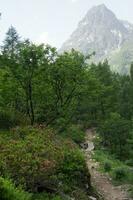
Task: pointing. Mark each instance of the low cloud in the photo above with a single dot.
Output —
(43, 38)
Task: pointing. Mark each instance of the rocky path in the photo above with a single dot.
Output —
(100, 181)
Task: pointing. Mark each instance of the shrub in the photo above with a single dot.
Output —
(40, 160)
(129, 162)
(73, 162)
(115, 131)
(107, 166)
(9, 192)
(75, 133)
(130, 176)
(6, 120)
(10, 118)
(120, 173)
(31, 159)
(74, 170)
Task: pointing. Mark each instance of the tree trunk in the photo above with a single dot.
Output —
(32, 118)
(102, 109)
(27, 104)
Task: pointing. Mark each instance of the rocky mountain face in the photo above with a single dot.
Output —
(109, 37)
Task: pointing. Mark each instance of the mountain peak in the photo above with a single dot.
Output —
(100, 11)
(101, 6)
(100, 31)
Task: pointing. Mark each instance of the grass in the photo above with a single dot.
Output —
(117, 166)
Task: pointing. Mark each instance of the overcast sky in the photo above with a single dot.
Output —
(52, 21)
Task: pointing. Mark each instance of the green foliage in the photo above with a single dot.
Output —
(39, 86)
(103, 156)
(75, 133)
(129, 162)
(74, 174)
(6, 120)
(11, 118)
(73, 163)
(115, 131)
(46, 84)
(11, 42)
(107, 166)
(9, 192)
(120, 173)
(40, 160)
(32, 158)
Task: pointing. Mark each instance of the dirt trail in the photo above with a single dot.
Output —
(100, 181)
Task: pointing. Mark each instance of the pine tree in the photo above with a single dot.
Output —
(11, 41)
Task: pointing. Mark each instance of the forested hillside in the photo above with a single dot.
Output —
(47, 101)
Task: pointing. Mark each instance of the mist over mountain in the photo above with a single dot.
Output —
(101, 31)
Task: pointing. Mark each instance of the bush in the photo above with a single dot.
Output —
(75, 133)
(130, 176)
(41, 161)
(9, 119)
(31, 158)
(6, 120)
(73, 162)
(107, 166)
(9, 192)
(74, 171)
(129, 162)
(120, 173)
(115, 131)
